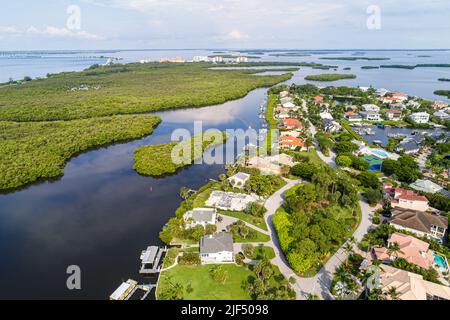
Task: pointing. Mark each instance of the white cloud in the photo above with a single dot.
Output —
(8, 30)
(237, 35)
(52, 31)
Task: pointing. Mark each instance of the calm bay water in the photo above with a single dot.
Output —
(101, 214)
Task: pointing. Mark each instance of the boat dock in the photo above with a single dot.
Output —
(130, 290)
(150, 260)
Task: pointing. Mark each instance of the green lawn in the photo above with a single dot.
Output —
(261, 251)
(260, 238)
(205, 288)
(257, 222)
(201, 198)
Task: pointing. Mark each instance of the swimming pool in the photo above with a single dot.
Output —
(380, 154)
(440, 261)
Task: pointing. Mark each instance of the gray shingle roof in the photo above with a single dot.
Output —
(203, 215)
(216, 243)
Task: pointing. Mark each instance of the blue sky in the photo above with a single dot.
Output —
(280, 24)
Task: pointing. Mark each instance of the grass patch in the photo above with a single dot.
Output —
(159, 160)
(330, 77)
(263, 251)
(204, 287)
(40, 150)
(257, 222)
(259, 237)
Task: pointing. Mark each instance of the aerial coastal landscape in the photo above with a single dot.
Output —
(238, 172)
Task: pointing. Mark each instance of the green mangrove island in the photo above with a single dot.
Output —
(444, 93)
(43, 123)
(158, 160)
(354, 58)
(330, 77)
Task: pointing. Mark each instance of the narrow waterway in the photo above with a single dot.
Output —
(101, 213)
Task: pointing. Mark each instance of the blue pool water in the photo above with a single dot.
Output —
(440, 261)
(382, 154)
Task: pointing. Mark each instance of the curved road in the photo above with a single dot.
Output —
(320, 284)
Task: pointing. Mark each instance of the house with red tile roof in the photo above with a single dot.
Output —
(407, 199)
(293, 143)
(318, 99)
(351, 116)
(292, 124)
(394, 115)
(412, 250)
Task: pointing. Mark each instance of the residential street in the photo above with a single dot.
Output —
(320, 284)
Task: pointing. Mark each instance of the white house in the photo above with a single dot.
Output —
(241, 59)
(200, 217)
(289, 105)
(200, 59)
(420, 117)
(442, 115)
(239, 180)
(371, 108)
(217, 248)
(370, 115)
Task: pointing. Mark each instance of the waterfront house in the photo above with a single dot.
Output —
(406, 199)
(412, 250)
(239, 180)
(420, 117)
(292, 143)
(200, 59)
(230, 201)
(291, 124)
(402, 97)
(217, 248)
(443, 116)
(284, 94)
(370, 115)
(408, 147)
(371, 108)
(172, 60)
(241, 59)
(352, 117)
(382, 92)
(423, 224)
(331, 126)
(411, 286)
(394, 115)
(439, 105)
(200, 217)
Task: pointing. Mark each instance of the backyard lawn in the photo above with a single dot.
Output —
(203, 285)
(257, 222)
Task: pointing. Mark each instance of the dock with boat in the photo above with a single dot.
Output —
(150, 260)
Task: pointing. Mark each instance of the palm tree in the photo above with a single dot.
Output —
(392, 293)
(394, 249)
(184, 193)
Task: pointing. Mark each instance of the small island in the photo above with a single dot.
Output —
(444, 79)
(444, 93)
(330, 77)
